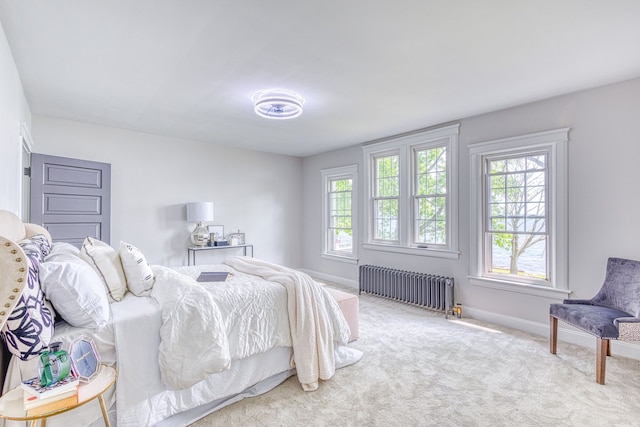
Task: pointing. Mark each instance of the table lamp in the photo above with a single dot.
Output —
(200, 212)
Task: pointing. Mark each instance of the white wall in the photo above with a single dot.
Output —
(153, 177)
(13, 111)
(604, 198)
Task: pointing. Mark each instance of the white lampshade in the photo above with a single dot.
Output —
(199, 211)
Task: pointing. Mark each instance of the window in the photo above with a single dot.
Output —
(518, 205)
(430, 196)
(339, 211)
(385, 198)
(411, 205)
(516, 232)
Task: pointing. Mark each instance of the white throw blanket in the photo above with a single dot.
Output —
(315, 319)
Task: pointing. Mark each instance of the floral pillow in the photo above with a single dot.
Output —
(29, 328)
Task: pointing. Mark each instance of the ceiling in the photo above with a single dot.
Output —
(366, 69)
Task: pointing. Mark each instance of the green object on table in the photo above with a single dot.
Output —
(56, 366)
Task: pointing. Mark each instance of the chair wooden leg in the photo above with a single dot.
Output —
(608, 347)
(602, 346)
(553, 334)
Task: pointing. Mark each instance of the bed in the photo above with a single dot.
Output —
(182, 348)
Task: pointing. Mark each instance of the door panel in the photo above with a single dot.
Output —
(71, 198)
(72, 204)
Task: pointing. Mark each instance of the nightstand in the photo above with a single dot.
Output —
(12, 403)
(191, 252)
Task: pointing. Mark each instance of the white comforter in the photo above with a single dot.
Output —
(206, 325)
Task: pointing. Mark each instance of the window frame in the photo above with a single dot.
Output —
(375, 197)
(553, 144)
(415, 197)
(329, 175)
(406, 146)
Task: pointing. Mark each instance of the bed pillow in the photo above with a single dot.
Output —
(36, 247)
(75, 290)
(106, 262)
(62, 248)
(29, 328)
(137, 270)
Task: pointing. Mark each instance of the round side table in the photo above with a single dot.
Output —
(12, 402)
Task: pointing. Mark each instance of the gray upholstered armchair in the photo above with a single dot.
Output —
(614, 313)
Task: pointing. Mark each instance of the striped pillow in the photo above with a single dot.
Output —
(137, 270)
(106, 262)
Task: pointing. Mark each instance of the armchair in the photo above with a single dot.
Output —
(614, 313)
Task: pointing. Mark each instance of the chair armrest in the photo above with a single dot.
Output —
(628, 328)
(578, 301)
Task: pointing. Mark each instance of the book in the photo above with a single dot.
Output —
(213, 276)
(34, 388)
(52, 406)
(31, 401)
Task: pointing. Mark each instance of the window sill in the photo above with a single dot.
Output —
(436, 253)
(340, 258)
(522, 288)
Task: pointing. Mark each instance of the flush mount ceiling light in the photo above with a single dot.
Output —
(277, 103)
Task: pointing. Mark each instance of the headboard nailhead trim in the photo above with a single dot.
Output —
(13, 278)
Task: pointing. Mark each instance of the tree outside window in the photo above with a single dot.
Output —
(517, 226)
(411, 188)
(519, 203)
(340, 215)
(385, 199)
(430, 198)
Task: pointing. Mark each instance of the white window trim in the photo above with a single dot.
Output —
(405, 145)
(350, 171)
(555, 143)
(401, 164)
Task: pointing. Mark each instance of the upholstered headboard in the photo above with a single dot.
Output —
(12, 228)
(13, 267)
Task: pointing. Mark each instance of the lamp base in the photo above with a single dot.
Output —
(200, 235)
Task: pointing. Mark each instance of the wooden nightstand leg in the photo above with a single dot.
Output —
(105, 416)
(34, 423)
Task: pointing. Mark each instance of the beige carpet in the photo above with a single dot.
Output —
(422, 370)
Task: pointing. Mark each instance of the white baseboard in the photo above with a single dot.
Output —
(330, 278)
(566, 334)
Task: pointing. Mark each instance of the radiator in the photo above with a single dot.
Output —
(425, 290)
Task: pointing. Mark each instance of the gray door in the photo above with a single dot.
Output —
(71, 198)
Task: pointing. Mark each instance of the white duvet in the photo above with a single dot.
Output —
(206, 325)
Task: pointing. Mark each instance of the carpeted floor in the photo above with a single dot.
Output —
(419, 369)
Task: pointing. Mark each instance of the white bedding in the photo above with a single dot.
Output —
(252, 313)
(206, 325)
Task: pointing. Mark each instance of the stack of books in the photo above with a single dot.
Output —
(40, 400)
